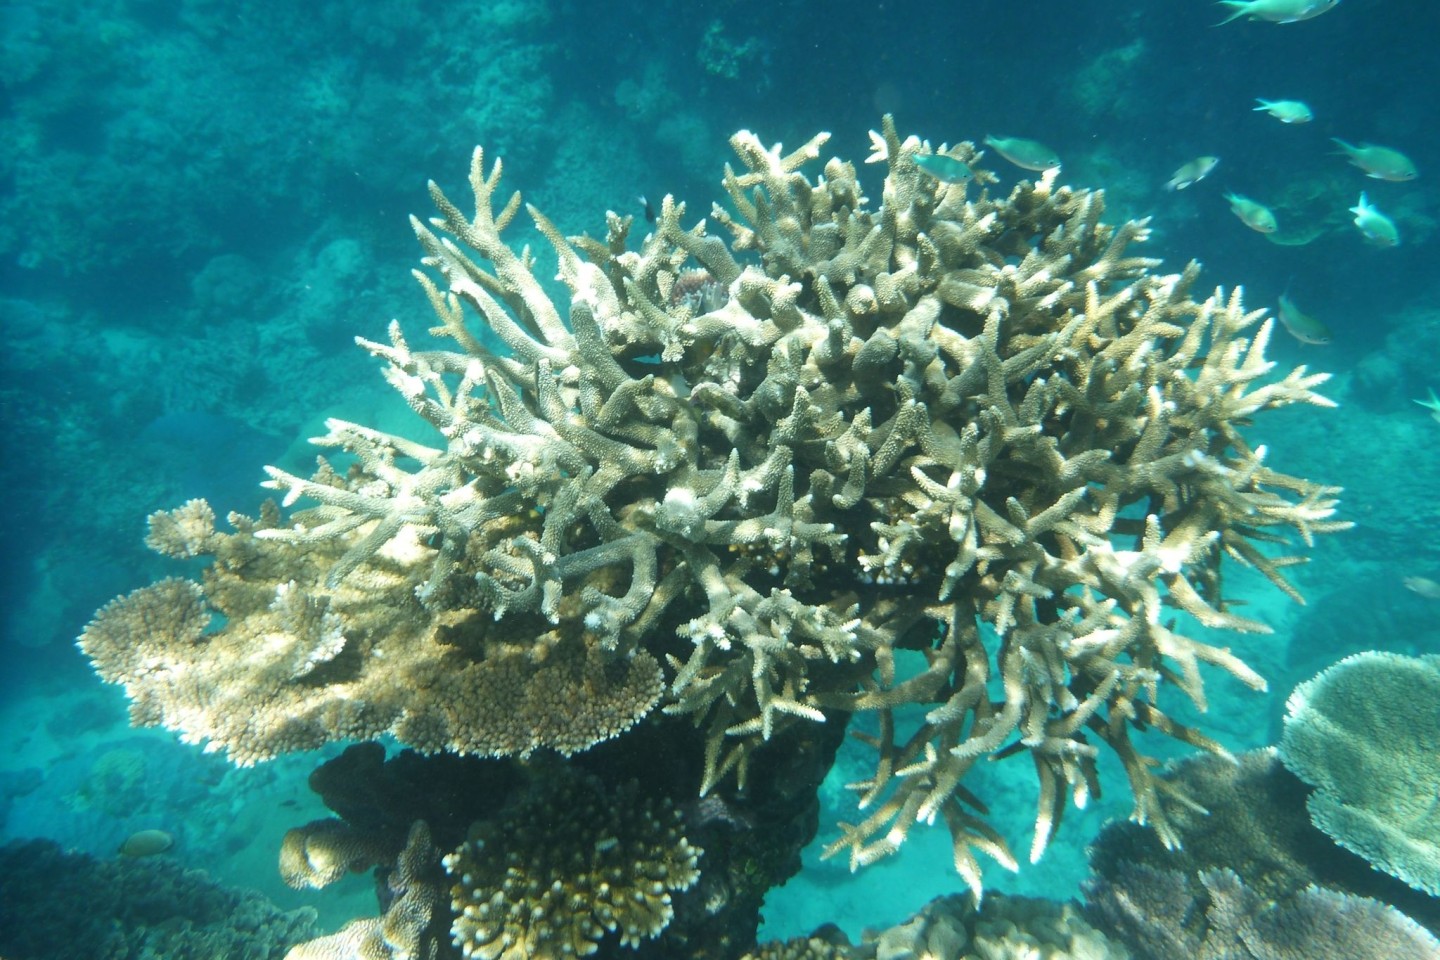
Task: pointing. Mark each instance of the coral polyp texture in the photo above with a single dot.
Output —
(569, 866)
(960, 452)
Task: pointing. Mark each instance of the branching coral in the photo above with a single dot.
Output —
(979, 430)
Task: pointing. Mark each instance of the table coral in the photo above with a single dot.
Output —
(1365, 733)
(962, 430)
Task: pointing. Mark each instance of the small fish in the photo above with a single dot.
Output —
(1302, 326)
(1378, 229)
(146, 843)
(943, 168)
(1254, 215)
(1193, 172)
(1382, 163)
(1423, 586)
(1277, 11)
(1028, 154)
(648, 207)
(1433, 405)
(1286, 111)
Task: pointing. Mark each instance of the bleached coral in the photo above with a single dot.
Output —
(978, 429)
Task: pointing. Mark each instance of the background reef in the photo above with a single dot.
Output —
(203, 206)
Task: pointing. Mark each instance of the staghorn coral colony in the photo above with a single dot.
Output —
(965, 456)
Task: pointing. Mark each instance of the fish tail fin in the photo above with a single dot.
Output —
(1241, 7)
(1264, 104)
(1345, 148)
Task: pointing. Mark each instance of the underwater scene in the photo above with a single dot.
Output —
(775, 480)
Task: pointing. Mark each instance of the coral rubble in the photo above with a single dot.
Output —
(960, 452)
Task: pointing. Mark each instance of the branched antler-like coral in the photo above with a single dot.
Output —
(957, 453)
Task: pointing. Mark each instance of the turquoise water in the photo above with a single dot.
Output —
(202, 204)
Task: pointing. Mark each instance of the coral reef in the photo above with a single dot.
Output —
(637, 792)
(1006, 928)
(189, 111)
(76, 907)
(952, 928)
(1248, 817)
(961, 454)
(1366, 734)
(1160, 914)
(323, 851)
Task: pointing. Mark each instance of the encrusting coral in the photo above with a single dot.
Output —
(960, 453)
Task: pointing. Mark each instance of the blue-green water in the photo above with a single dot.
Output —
(202, 203)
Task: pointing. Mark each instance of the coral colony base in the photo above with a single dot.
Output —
(945, 462)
